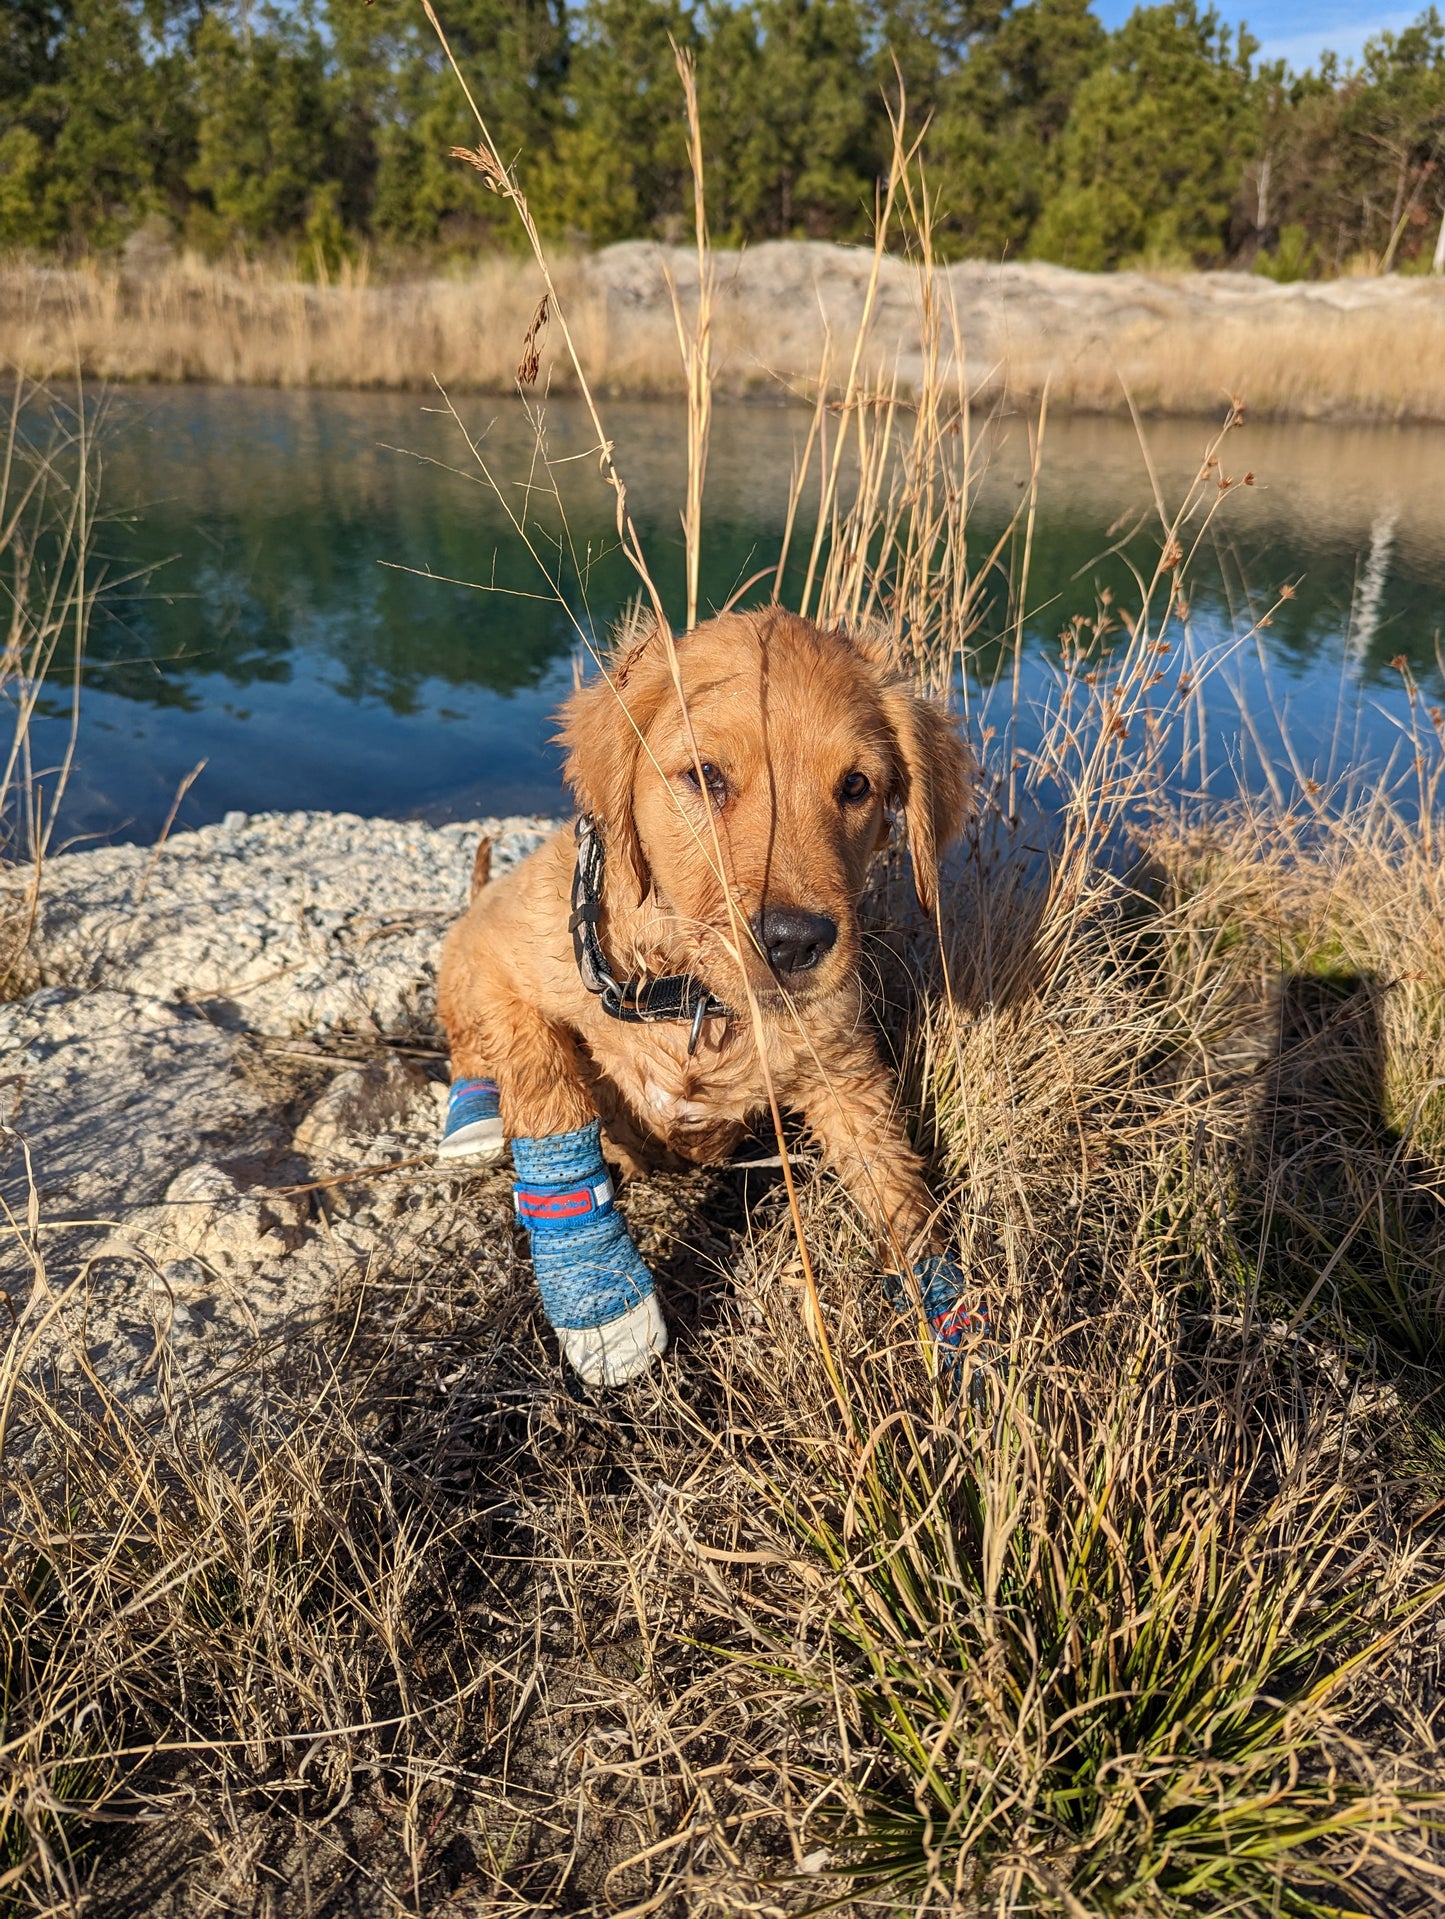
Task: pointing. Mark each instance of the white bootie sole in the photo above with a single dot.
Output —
(482, 1140)
(610, 1355)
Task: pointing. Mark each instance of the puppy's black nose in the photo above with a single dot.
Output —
(794, 941)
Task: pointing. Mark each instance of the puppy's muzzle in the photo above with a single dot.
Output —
(792, 940)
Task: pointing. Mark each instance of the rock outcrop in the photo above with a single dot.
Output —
(280, 923)
(1174, 343)
(221, 1096)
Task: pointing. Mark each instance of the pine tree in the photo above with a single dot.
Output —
(1155, 144)
(88, 147)
(618, 163)
(264, 127)
(788, 119)
(515, 56)
(994, 146)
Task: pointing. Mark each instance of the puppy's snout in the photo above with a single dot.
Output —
(794, 941)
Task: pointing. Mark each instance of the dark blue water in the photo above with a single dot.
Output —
(337, 609)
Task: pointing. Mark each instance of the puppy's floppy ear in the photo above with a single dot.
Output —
(602, 725)
(932, 781)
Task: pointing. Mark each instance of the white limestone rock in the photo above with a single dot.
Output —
(110, 1094)
(173, 1216)
(294, 922)
(379, 1109)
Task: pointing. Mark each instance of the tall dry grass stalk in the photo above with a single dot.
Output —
(1147, 1624)
(49, 584)
(695, 340)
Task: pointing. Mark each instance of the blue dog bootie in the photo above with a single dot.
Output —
(596, 1291)
(956, 1315)
(473, 1128)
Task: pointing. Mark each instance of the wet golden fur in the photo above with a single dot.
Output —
(786, 711)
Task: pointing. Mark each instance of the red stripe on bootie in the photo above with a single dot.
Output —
(556, 1205)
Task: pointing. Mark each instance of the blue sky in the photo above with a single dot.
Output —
(1296, 30)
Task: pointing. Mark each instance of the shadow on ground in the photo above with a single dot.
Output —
(1349, 1216)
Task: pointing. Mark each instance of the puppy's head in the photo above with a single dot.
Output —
(807, 740)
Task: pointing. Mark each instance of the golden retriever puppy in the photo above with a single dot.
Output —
(601, 984)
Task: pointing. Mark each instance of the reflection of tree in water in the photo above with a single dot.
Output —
(1350, 1218)
(242, 598)
(1234, 579)
(268, 587)
(283, 509)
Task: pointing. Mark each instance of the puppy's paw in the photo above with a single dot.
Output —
(610, 1355)
(956, 1313)
(595, 1286)
(473, 1126)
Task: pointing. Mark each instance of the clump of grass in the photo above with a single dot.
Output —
(1108, 1641)
(1091, 1645)
(231, 1630)
(1341, 1184)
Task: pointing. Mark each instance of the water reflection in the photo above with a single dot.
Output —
(312, 624)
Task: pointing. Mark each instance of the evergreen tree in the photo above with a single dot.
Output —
(106, 125)
(1393, 127)
(788, 123)
(514, 54)
(329, 122)
(1155, 143)
(264, 129)
(1351, 165)
(994, 145)
(32, 33)
(1287, 177)
(618, 164)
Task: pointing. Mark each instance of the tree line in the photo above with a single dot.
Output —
(323, 127)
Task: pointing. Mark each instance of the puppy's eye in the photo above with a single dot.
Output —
(854, 788)
(716, 783)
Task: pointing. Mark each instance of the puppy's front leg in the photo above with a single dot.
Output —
(513, 1071)
(850, 1105)
(533, 1062)
(596, 1291)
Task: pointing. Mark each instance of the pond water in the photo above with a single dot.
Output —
(336, 611)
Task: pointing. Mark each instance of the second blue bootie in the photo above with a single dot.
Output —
(957, 1317)
(473, 1128)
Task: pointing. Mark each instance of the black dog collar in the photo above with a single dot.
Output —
(673, 996)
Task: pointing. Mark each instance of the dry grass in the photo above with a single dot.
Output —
(1176, 346)
(1378, 362)
(1141, 1620)
(1147, 1625)
(49, 473)
(246, 325)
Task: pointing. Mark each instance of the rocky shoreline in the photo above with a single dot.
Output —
(221, 1092)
